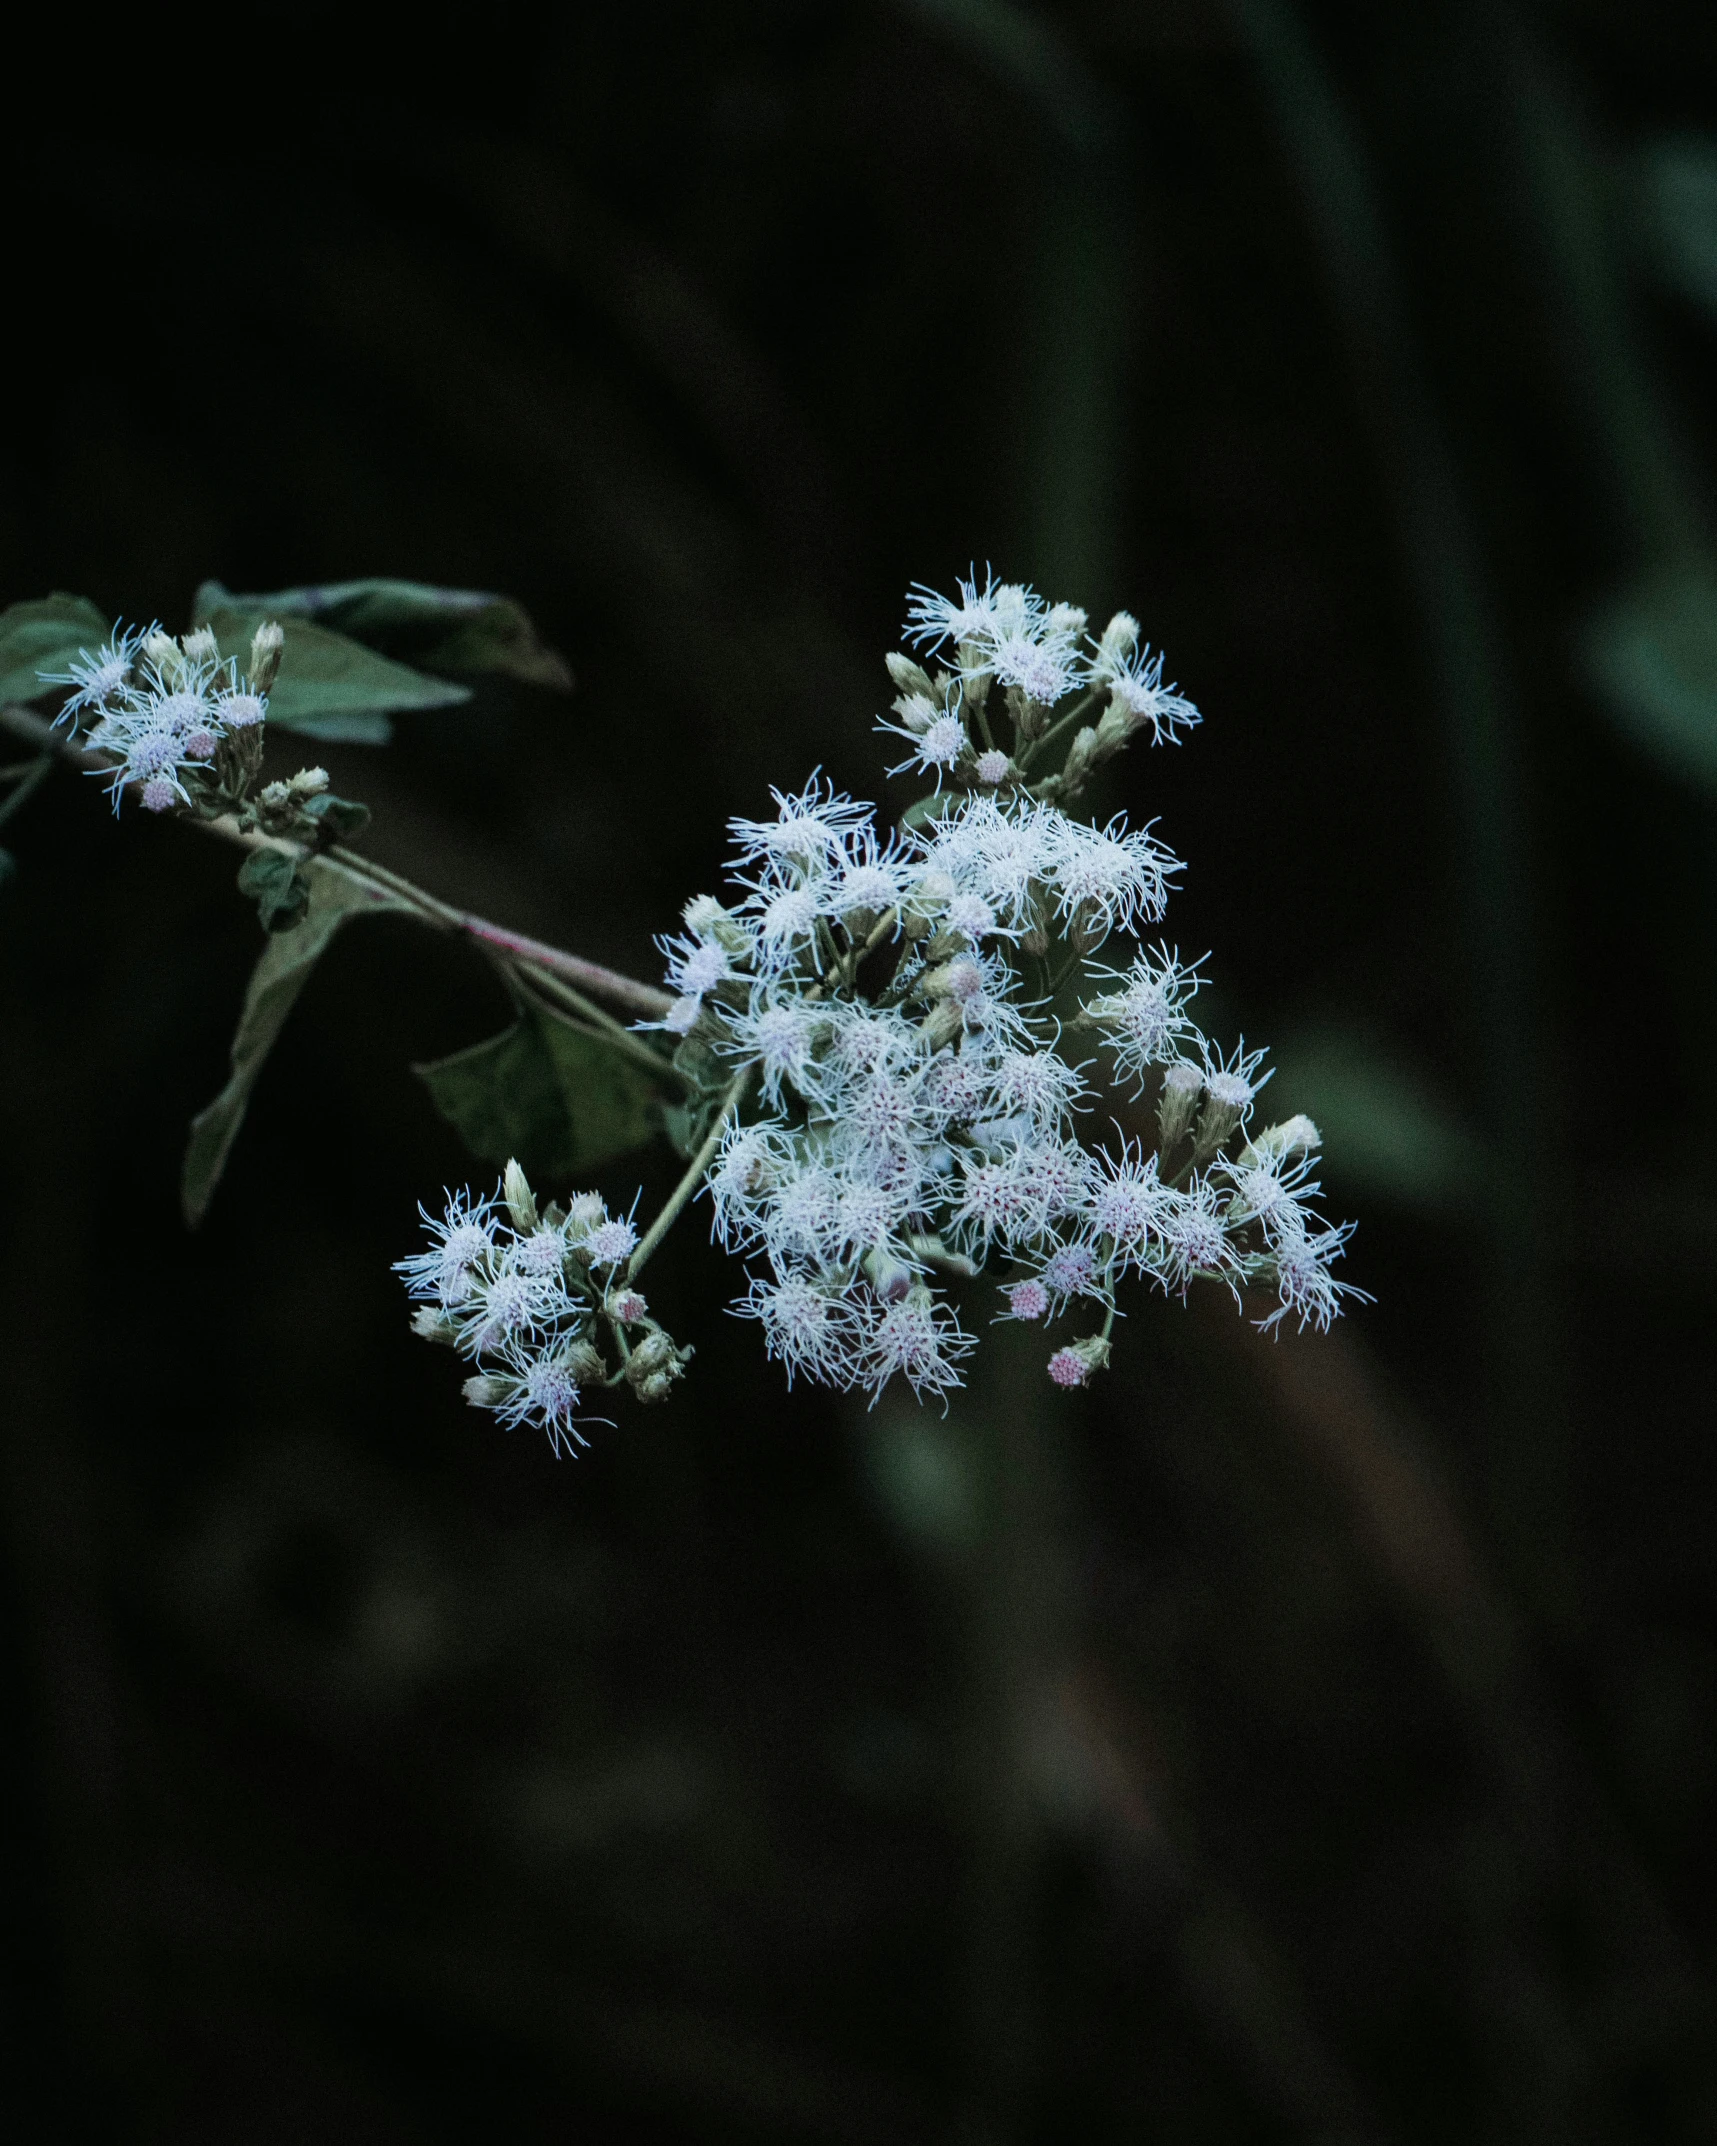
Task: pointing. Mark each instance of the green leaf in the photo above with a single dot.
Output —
(329, 686)
(277, 885)
(557, 1097)
(1676, 201)
(461, 630)
(342, 816)
(275, 983)
(47, 635)
(1653, 657)
(1386, 1131)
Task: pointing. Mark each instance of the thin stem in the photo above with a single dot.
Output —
(1039, 746)
(592, 1021)
(688, 1184)
(32, 781)
(590, 976)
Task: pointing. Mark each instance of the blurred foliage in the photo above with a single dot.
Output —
(1313, 1740)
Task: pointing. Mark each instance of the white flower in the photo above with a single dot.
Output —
(750, 1162)
(1129, 1205)
(1308, 1291)
(917, 1337)
(460, 1241)
(1116, 877)
(1195, 1240)
(1136, 688)
(610, 1242)
(1147, 1017)
(775, 1034)
(100, 679)
(934, 749)
(1233, 1082)
(807, 1326)
(536, 1386)
(1072, 1270)
(809, 827)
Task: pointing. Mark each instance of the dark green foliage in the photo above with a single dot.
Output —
(340, 817)
(329, 687)
(553, 1094)
(1653, 655)
(46, 635)
(282, 972)
(277, 885)
(460, 630)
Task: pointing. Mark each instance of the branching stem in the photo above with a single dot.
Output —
(588, 976)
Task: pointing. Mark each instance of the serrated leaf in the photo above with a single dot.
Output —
(1653, 657)
(1677, 214)
(558, 1098)
(330, 686)
(466, 631)
(48, 634)
(1386, 1131)
(277, 979)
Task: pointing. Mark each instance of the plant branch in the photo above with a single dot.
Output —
(589, 976)
(688, 1184)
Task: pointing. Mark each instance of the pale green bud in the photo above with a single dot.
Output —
(266, 647)
(908, 676)
(521, 1201)
(484, 1391)
(1182, 1087)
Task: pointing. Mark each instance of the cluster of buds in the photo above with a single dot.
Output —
(888, 1014)
(537, 1301)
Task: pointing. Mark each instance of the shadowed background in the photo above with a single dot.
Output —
(1310, 1741)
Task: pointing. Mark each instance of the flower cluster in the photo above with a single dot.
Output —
(180, 722)
(894, 1020)
(524, 1293)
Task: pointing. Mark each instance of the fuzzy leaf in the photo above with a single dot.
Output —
(46, 635)
(461, 630)
(329, 686)
(275, 983)
(558, 1098)
(1653, 656)
(1386, 1131)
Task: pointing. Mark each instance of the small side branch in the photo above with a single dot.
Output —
(589, 976)
(687, 1187)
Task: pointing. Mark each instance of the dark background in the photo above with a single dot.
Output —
(1314, 1741)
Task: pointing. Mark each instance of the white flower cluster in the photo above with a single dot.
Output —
(894, 1001)
(165, 709)
(879, 1024)
(521, 1293)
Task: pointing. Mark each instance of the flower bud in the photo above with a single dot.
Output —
(1074, 1365)
(707, 919)
(917, 711)
(1294, 1136)
(908, 676)
(430, 1323)
(585, 1363)
(1182, 1086)
(309, 782)
(163, 651)
(521, 1201)
(891, 1278)
(266, 647)
(201, 646)
(484, 1391)
(654, 1365)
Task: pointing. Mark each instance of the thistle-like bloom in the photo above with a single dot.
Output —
(98, 681)
(461, 1242)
